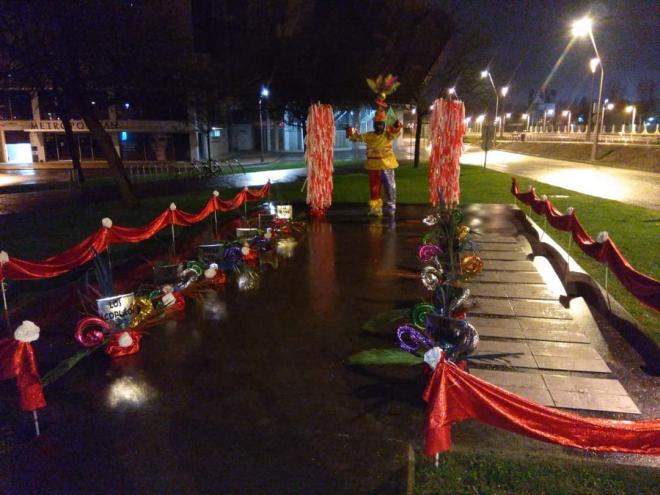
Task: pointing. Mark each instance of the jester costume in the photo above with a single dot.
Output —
(381, 160)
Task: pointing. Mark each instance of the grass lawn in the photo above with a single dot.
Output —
(467, 473)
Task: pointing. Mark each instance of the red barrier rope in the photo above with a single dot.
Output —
(645, 288)
(98, 242)
(454, 395)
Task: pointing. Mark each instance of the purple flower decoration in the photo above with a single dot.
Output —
(410, 339)
(428, 251)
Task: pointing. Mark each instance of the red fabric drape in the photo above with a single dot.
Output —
(645, 288)
(454, 395)
(98, 242)
(17, 361)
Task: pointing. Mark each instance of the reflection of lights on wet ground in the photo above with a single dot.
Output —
(213, 307)
(285, 247)
(129, 391)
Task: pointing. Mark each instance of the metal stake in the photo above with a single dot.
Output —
(215, 218)
(545, 226)
(437, 460)
(173, 241)
(36, 422)
(568, 252)
(4, 295)
(607, 293)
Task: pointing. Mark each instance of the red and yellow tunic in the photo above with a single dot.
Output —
(380, 155)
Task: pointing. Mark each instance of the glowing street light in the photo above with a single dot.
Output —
(485, 74)
(593, 64)
(480, 119)
(525, 116)
(581, 29)
(606, 106)
(265, 93)
(632, 109)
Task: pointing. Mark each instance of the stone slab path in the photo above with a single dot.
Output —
(532, 345)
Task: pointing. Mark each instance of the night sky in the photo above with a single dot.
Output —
(529, 36)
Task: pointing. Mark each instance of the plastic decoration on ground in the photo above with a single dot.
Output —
(448, 259)
(319, 153)
(121, 320)
(603, 249)
(447, 131)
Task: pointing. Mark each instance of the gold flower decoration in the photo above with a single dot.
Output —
(462, 232)
(471, 264)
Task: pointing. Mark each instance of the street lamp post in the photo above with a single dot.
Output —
(593, 65)
(484, 74)
(505, 91)
(264, 94)
(606, 106)
(632, 109)
(567, 113)
(582, 28)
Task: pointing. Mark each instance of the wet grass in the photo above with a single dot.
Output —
(494, 473)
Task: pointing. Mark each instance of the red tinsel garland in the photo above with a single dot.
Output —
(454, 395)
(319, 153)
(98, 242)
(447, 130)
(645, 288)
(17, 360)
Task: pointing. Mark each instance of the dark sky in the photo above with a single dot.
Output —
(529, 36)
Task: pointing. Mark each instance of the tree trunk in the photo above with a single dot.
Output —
(418, 137)
(109, 152)
(73, 149)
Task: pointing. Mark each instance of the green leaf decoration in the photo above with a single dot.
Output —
(65, 366)
(380, 357)
(383, 320)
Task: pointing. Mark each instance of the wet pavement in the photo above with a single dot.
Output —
(250, 393)
(628, 186)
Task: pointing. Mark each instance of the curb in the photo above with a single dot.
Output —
(578, 283)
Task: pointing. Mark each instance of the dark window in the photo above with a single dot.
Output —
(16, 137)
(85, 146)
(50, 145)
(21, 105)
(182, 147)
(131, 145)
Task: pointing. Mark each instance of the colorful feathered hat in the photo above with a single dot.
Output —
(382, 86)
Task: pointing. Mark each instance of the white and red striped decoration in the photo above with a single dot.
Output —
(447, 130)
(319, 153)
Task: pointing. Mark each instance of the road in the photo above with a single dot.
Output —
(628, 186)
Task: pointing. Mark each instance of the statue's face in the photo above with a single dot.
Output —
(379, 127)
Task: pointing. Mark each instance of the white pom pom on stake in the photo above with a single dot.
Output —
(172, 206)
(106, 222)
(570, 210)
(530, 188)
(210, 273)
(245, 250)
(602, 237)
(544, 197)
(27, 332)
(4, 257)
(216, 193)
(125, 340)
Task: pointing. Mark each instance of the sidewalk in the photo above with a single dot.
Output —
(628, 186)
